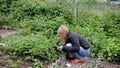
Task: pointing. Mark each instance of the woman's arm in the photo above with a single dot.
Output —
(74, 40)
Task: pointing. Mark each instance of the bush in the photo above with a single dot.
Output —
(111, 51)
(31, 14)
(112, 24)
(5, 12)
(37, 17)
(91, 27)
(35, 45)
(21, 10)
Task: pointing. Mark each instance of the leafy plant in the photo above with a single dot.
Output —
(112, 24)
(111, 51)
(37, 64)
(0, 37)
(36, 45)
(39, 22)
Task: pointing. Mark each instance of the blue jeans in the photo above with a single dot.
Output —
(82, 52)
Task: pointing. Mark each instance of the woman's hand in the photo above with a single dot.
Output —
(60, 48)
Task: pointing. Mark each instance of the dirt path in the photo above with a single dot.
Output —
(92, 63)
(88, 63)
(5, 33)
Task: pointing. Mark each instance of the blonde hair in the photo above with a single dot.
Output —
(63, 30)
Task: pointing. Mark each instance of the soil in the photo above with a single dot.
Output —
(108, 65)
(91, 63)
(4, 62)
(3, 31)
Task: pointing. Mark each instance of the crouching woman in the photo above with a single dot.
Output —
(76, 46)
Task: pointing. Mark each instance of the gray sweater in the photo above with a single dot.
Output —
(76, 40)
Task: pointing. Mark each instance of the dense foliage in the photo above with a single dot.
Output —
(15, 11)
(102, 31)
(37, 24)
(112, 24)
(35, 45)
(110, 52)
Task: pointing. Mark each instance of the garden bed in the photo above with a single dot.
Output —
(13, 61)
(7, 60)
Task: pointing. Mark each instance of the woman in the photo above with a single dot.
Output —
(75, 44)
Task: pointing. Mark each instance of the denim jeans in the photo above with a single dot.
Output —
(82, 52)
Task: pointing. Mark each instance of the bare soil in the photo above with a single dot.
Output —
(108, 65)
(3, 31)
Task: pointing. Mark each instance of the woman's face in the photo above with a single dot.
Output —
(62, 35)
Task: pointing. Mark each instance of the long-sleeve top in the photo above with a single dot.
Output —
(76, 40)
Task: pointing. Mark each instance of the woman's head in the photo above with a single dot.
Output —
(63, 31)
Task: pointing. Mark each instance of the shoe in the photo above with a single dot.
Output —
(77, 61)
(71, 57)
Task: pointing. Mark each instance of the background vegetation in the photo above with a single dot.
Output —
(37, 23)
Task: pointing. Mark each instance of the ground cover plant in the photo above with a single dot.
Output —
(37, 23)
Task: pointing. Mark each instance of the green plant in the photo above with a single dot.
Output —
(0, 37)
(11, 64)
(112, 24)
(37, 64)
(6, 56)
(111, 51)
(24, 31)
(27, 58)
(36, 45)
(19, 61)
(14, 65)
(14, 12)
(39, 22)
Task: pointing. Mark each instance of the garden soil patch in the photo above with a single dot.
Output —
(6, 58)
(108, 65)
(3, 31)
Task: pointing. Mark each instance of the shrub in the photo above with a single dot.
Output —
(110, 52)
(35, 45)
(20, 10)
(91, 27)
(35, 16)
(112, 24)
